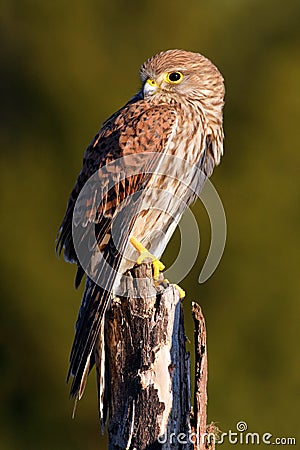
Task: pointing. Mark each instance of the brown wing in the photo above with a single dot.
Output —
(136, 128)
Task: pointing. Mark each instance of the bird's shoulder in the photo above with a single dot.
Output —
(137, 127)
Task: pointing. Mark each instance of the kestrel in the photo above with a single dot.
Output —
(175, 120)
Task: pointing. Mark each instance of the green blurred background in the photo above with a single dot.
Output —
(66, 67)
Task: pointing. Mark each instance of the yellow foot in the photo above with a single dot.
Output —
(158, 266)
(179, 289)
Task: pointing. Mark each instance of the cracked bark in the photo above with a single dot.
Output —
(149, 369)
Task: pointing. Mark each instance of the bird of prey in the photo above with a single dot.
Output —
(176, 121)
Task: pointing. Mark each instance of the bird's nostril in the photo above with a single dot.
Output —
(151, 82)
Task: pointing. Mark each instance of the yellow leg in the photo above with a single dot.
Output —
(158, 266)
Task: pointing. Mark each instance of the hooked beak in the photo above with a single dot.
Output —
(150, 87)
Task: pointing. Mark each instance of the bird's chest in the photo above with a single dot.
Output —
(174, 183)
(170, 189)
(178, 166)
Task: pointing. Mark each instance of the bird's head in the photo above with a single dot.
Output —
(182, 74)
(192, 81)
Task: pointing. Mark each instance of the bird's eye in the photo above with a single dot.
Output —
(174, 77)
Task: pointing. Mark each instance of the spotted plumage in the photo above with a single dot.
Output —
(177, 112)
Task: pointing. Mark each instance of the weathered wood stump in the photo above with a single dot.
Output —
(149, 369)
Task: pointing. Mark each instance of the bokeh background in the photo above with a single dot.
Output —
(66, 67)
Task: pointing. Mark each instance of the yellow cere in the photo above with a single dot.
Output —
(151, 82)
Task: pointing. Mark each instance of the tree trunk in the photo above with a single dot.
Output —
(149, 369)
